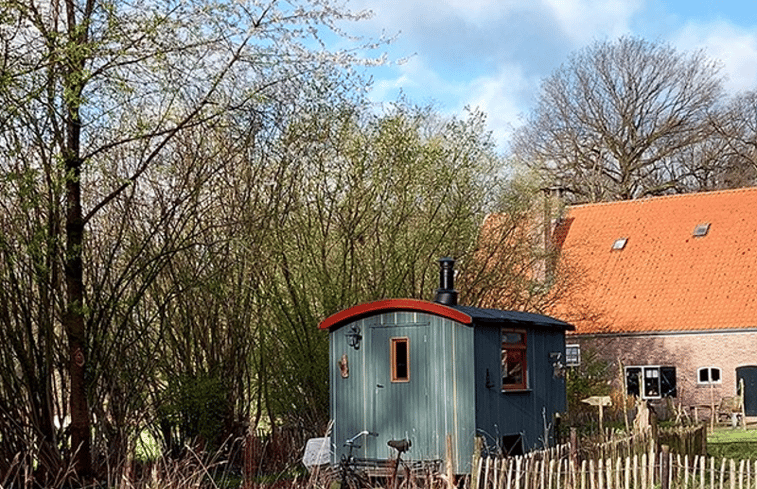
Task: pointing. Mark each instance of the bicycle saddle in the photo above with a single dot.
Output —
(400, 445)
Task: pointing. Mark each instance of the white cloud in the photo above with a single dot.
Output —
(415, 79)
(585, 20)
(735, 47)
(501, 97)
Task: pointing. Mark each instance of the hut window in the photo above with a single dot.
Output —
(400, 351)
(514, 371)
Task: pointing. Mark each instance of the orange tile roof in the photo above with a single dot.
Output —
(664, 279)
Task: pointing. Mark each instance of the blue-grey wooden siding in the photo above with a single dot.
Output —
(438, 400)
(526, 412)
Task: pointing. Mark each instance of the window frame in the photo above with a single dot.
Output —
(569, 358)
(658, 372)
(395, 365)
(709, 380)
(522, 348)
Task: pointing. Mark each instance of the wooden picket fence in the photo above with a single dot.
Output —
(639, 461)
(662, 470)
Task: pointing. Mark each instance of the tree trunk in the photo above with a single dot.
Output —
(73, 322)
(73, 319)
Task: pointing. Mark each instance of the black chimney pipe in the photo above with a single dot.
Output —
(446, 293)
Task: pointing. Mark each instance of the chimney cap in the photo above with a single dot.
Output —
(446, 293)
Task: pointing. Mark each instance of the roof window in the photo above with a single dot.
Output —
(619, 243)
(701, 230)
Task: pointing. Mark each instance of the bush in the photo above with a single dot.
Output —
(195, 412)
(592, 378)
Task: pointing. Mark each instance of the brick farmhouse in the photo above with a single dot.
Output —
(668, 287)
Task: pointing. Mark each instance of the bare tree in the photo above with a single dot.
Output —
(96, 88)
(736, 129)
(610, 122)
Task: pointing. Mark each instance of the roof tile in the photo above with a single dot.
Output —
(665, 278)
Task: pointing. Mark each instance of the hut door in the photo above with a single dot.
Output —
(400, 394)
(749, 376)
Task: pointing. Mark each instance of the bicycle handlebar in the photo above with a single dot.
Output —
(351, 442)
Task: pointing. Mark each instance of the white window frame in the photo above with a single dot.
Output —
(709, 380)
(649, 371)
(569, 358)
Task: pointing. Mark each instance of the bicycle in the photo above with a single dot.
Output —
(349, 476)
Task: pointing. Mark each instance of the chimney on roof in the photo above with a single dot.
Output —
(446, 293)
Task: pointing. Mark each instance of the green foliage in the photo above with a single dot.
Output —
(227, 189)
(195, 410)
(593, 377)
(372, 201)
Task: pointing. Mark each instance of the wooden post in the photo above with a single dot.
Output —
(713, 413)
(478, 444)
(665, 467)
(732, 473)
(518, 464)
(624, 393)
(600, 401)
(583, 474)
(574, 446)
(450, 462)
(484, 482)
(722, 473)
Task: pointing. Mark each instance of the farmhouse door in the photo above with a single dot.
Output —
(749, 375)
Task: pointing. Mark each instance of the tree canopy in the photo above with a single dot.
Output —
(104, 107)
(187, 189)
(623, 119)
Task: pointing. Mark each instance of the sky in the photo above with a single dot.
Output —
(493, 54)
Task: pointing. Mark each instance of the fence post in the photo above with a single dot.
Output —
(450, 460)
(478, 443)
(665, 467)
(732, 473)
(574, 446)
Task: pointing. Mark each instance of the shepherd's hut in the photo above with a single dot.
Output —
(428, 372)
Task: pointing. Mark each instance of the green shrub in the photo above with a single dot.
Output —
(194, 412)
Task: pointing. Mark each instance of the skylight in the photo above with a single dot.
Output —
(619, 243)
(701, 229)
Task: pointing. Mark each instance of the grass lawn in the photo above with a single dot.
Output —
(726, 442)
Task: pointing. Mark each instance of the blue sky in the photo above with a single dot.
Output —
(492, 54)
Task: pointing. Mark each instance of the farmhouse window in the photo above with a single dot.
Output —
(514, 371)
(400, 353)
(572, 355)
(651, 382)
(708, 375)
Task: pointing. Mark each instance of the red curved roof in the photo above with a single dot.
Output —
(388, 305)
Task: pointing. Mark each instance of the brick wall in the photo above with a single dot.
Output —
(687, 352)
